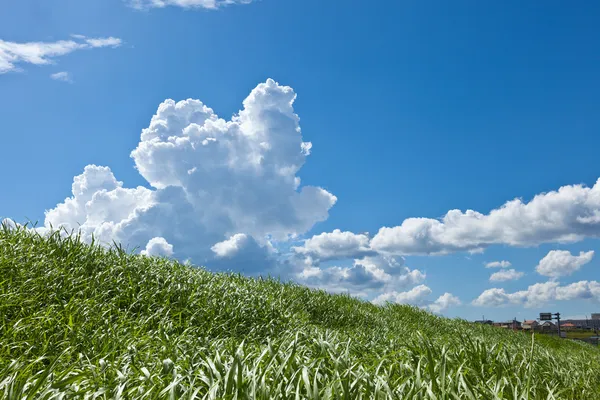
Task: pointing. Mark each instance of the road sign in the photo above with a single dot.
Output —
(545, 316)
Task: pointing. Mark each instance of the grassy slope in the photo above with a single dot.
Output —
(79, 319)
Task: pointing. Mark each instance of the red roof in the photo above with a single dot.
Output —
(568, 325)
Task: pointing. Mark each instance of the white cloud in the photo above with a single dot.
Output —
(222, 191)
(231, 246)
(40, 53)
(206, 4)
(494, 297)
(335, 245)
(539, 294)
(242, 253)
(100, 206)
(559, 263)
(62, 76)
(416, 296)
(572, 213)
(568, 215)
(103, 42)
(498, 264)
(444, 302)
(9, 224)
(212, 179)
(158, 247)
(506, 275)
(372, 273)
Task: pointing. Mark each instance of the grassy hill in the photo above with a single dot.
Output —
(80, 321)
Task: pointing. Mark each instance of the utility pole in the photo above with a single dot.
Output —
(549, 317)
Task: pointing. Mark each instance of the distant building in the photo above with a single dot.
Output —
(596, 316)
(589, 324)
(569, 326)
(514, 324)
(531, 324)
(548, 326)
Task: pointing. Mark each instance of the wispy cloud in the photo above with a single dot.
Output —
(62, 76)
(205, 4)
(498, 264)
(104, 42)
(41, 53)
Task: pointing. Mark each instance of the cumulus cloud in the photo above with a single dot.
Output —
(444, 302)
(158, 247)
(498, 264)
(506, 275)
(540, 294)
(494, 297)
(418, 296)
(335, 245)
(62, 76)
(371, 273)
(242, 253)
(219, 188)
(40, 53)
(206, 4)
(559, 263)
(9, 224)
(231, 246)
(568, 215)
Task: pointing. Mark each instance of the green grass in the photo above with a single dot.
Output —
(581, 334)
(79, 321)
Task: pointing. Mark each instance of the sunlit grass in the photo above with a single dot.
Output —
(82, 321)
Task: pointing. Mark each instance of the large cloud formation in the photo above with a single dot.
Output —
(211, 180)
(567, 215)
(224, 194)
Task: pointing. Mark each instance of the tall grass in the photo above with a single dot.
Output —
(80, 321)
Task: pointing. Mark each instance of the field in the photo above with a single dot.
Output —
(581, 334)
(79, 321)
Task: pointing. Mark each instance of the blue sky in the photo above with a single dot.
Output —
(413, 109)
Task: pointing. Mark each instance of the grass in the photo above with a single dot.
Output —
(80, 321)
(580, 334)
